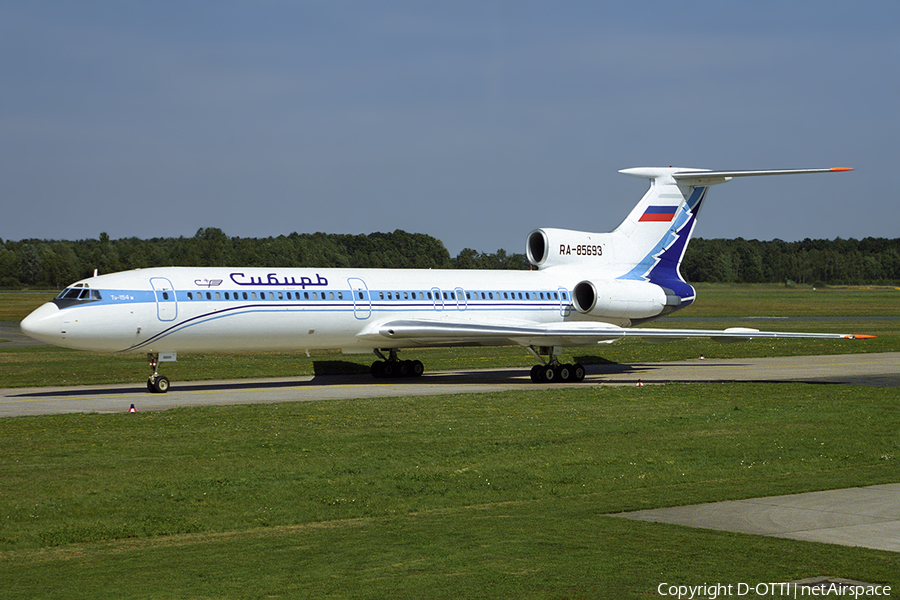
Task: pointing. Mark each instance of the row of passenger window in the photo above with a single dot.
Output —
(432, 295)
(267, 295)
(520, 295)
(457, 295)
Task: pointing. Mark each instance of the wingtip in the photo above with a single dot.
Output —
(840, 169)
(860, 336)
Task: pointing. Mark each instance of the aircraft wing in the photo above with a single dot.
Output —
(424, 333)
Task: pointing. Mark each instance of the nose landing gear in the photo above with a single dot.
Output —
(156, 383)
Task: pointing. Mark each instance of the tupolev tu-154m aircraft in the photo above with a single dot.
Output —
(588, 289)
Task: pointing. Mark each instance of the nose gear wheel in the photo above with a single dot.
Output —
(156, 383)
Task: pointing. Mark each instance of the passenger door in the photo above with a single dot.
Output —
(166, 303)
(362, 301)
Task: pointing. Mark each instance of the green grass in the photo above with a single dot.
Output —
(539, 550)
(15, 306)
(489, 495)
(755, 300)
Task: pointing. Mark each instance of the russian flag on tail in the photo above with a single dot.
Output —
(658, 214)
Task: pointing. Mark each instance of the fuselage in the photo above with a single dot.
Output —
(188, 309)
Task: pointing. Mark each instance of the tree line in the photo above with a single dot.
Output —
(870, 261)
(54, 264)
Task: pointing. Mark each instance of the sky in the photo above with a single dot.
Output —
(471, 121)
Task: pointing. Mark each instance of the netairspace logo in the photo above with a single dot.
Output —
(770, 590)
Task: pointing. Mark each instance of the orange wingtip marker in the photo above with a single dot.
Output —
(861, 337)
(839, 169)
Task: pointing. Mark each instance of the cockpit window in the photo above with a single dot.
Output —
(77, 294)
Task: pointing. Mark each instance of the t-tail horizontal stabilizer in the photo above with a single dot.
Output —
(651, 242)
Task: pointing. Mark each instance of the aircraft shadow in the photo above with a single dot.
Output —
(177, 387)
(331, 376)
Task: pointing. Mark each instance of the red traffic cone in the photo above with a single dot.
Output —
(132, 409)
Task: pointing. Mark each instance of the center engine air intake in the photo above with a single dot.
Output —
(551, 247)
(536, 247)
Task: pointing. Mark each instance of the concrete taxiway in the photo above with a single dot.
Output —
(868, 517)
(881, 370)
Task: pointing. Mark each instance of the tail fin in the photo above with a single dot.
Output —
(652, 240)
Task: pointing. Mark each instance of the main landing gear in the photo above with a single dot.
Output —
(392, 367)
(558, 373)
(156, 383)
(552, 371)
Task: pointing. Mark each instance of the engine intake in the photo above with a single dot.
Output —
(623, 298)
(550, 247)
(536, 247)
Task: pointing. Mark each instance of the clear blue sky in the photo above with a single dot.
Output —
(474, 122)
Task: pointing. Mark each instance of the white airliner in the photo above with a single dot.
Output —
(588, 289)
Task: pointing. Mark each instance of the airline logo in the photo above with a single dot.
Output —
(658, 214)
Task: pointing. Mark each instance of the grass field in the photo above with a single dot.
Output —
(492, 495)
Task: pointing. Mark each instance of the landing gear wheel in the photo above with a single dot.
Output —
(417, 368)
(546, 374)
(563, 373)
(404, 368)
(162, 384)
(378, 369)
(158, 384)
(578, 372)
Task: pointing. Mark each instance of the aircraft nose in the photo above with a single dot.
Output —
(43, 324)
